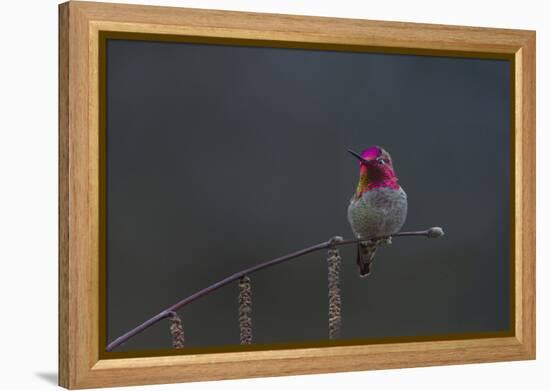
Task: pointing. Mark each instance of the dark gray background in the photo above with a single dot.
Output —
(221, 157)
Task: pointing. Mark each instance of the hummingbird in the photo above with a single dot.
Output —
(378, 208)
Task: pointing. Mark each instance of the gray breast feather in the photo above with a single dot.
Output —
(379, 212)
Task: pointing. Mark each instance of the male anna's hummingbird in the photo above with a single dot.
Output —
(379, 206)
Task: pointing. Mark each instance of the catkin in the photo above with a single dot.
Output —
(176, 329)
(334, 261)
(245, 310)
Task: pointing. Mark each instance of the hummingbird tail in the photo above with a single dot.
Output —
(365, 256)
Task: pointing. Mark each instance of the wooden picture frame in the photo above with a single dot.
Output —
(81, 364)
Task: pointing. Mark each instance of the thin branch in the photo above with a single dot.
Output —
(433, 232)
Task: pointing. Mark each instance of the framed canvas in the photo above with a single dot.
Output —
(246, 195)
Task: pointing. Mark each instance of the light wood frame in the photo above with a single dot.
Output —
(80, 365)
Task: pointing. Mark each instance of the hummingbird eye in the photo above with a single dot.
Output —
(381, 161)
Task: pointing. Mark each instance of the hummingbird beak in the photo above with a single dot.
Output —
(359, 157)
